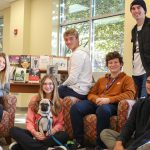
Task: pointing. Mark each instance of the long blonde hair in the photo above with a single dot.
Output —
(56, 107)
(4, 74)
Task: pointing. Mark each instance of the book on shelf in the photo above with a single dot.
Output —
(52, 70)
(25, 61)
(12, 72)
(35, 62)
(61, 62)
(14, 60)
(34, 75)
(20, 74)
(44, 61)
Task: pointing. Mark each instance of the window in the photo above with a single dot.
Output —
(100, 24)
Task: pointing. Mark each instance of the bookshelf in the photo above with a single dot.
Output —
(19, 87)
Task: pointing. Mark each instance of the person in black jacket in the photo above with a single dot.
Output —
(136, 133)
(141, 45)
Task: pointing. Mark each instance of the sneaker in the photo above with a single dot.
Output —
(1, 148)
(12, 145)
(80, 146)
(57, 148)
(71, 145)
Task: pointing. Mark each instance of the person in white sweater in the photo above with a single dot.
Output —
(79, 80)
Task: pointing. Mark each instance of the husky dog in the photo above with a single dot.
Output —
(45, 120)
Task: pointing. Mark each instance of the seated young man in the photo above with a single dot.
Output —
(136, 133)
(103, 99)
(79, 80)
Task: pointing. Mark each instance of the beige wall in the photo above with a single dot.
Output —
(32, 19)
(40, 29)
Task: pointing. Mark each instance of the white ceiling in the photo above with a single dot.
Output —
(5, 3)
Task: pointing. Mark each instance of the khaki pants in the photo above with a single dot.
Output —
(109, 138)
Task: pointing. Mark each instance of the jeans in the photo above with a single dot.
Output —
(140, 82)
(103, 113)
(66, 91)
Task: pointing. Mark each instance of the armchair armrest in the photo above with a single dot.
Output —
(124, 109)
(10, 106)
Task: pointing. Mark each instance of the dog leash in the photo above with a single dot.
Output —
(58, 142)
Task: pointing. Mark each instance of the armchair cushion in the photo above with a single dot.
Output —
(117, 122)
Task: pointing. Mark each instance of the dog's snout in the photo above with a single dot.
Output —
(44, 107)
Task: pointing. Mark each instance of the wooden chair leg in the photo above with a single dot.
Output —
(8, 140)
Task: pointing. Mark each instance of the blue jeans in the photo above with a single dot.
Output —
(140, 82)
(66, 91)
(103, 113)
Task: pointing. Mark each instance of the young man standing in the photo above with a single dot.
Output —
(141, 45)
(136, 133)
(79, 80)
(103, 99)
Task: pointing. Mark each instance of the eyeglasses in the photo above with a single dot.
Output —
(48, 84)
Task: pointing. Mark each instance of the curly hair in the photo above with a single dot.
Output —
(113, 55)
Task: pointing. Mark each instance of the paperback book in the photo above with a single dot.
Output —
(34, 75)
(61, 62)
(44, 62)
(25, 61)
(20, 75)
(14, 60)
(52, 70)
(35, 62)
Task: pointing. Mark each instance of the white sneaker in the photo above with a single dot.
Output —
(57, 148)
(11, 145)
(1, 148)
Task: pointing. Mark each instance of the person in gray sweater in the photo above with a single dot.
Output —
(136, 133)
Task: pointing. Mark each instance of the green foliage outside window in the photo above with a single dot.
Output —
(106, 24)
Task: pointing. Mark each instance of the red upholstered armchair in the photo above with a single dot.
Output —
(8, 117)
(117, 122)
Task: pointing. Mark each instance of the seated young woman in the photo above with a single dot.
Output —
(30, 138)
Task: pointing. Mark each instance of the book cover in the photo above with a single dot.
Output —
(20, 75)
(52, 70)
(61, 62)
(35, 62)
(25, 61)
(12, 72)
(14, 60)
(34, 75)
(44, 62)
